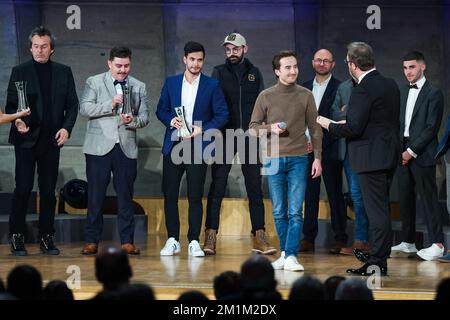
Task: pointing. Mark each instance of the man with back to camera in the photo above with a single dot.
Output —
(372, 126)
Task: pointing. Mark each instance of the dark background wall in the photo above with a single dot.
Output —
(157, 30)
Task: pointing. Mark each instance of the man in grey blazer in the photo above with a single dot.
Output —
(110, 145)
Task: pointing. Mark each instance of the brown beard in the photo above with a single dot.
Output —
(237, 61)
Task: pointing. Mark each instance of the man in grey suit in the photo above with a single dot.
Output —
(110, 145)
(339, 111)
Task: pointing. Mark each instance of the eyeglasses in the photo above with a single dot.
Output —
(235, 50)
(320, 61)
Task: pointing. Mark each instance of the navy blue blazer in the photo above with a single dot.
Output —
(444, 143)
(210, 107)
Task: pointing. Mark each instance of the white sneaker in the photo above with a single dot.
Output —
(171, 247)
(279, 263)
(291, 264)
(195, 250)
(405, 247)
(431, 253)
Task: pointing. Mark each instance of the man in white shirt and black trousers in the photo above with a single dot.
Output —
(421, 109)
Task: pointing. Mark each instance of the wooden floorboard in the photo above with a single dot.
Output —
(169, 276)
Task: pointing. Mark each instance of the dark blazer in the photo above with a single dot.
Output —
(329, 143)
(425, 122)
(444, 144)
(339, 111)
(372, 124)
(64, 101)
(210, 106)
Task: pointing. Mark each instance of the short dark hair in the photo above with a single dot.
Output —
(192, 46)
(331, 285)
(227, 285)
(361, 54)
(353, 289)
(443, 290)
(112, 268)
(57, 290)
(307, 288)
(282, 54)
(193, 295)
(25, 282)
(414, 55)
(119, 52)
(41, 32)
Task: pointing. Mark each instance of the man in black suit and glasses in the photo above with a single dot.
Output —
(371, 127)
(37, 138)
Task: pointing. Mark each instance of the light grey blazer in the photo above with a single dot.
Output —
(104, 127)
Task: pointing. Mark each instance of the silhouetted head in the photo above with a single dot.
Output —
(25, 282)
(112, 268)
(258, 279)
(307, 288)
(443, 290)
(193, 295)
(57, 290)
(353, 289)
(227, 285)
(137, 291)
(331, 285)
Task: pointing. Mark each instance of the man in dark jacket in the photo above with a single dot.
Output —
(39, 137)
(324, 86)
(241, 83)
(371, 127)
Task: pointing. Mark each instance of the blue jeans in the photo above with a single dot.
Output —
(286, 177)
(361, 222)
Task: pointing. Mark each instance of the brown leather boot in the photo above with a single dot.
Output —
(130, 248)
(364, 246)
(336, 249)
(306, 246)
(89, 249)
(260, 243)
(210, 242)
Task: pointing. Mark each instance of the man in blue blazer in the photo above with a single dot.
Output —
(204, 109)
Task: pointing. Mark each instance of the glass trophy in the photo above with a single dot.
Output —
(126, 106)
(184, 131)
(21, 87)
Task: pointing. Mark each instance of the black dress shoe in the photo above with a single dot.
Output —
(363, 271)
(361, 255)
(47, 246)
(17, 241)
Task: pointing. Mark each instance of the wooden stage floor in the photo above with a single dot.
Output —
(169, 276)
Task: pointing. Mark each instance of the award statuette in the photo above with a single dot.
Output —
(126, 105)
(21, 87)
(184, 131)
